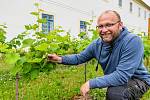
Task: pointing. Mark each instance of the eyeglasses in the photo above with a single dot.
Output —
(108, 25)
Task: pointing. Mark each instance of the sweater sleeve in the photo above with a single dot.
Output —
(131, 58)
(82, 57)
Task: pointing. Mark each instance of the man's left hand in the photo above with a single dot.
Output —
(85, 88)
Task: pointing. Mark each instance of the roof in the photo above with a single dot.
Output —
(143, 3)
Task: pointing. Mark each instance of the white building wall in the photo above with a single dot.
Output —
(68, 13)
(15, 14)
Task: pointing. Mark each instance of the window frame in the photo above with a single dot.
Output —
(83, 26)
(145, 14)
(139, 11)
(49, 25)
(120, 3)
(131, 7)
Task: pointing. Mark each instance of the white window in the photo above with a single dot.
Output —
(144, 14)
(139, 11)
(131, 7)
(82, 26)
(49, 25)
(120, 3)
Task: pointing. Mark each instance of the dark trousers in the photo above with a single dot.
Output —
(133, 90)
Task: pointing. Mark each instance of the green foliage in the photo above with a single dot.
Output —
(3, 47)
(35, 13)
(42, 47)
(42, 20)
(27, 42)
(2, 33)
(12, 58)
(28, 56)
(146, 42)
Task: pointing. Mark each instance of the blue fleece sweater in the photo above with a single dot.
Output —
(120, 61)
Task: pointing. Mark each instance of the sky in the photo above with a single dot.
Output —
(147, 2)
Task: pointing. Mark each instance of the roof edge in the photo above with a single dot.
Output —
(143, 3)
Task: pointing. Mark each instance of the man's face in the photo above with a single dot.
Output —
(109, 27)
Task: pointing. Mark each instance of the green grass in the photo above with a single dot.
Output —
(59, 84)
(62, 83)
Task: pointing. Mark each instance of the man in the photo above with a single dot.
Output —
(120, 54)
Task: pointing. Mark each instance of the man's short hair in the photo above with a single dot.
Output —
(112, 11)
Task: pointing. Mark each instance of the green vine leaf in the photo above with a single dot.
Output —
(35, 13)
(28, 27)
(34, 74)
(35, 60)
(36, 4)
(42, 47)
(27, 42)
(26, 67)
(35, 26)
(12, 58)
(15, 70)
(3, 47)
(42, 20)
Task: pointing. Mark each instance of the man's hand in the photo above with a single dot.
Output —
(85, 88)
(54, 58)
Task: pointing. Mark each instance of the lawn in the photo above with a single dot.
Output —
(63, 83)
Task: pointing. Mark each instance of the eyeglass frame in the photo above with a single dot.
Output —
(107, 25)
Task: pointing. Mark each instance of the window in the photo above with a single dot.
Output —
(82, 26)
(139, 11)
(120, 3)
(131, 7)
(144, 14)
(49, 25)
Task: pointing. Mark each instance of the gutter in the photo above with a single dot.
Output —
(143, 4)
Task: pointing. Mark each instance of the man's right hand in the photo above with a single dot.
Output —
(54, 58)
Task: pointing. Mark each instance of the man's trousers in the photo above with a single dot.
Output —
(133, 90)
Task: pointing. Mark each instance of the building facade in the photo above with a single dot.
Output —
(72, 15)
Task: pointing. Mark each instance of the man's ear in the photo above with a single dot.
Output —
(120, 25)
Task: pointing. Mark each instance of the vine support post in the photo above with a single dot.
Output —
(17, 86)
(149, 28)
(85, 72)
